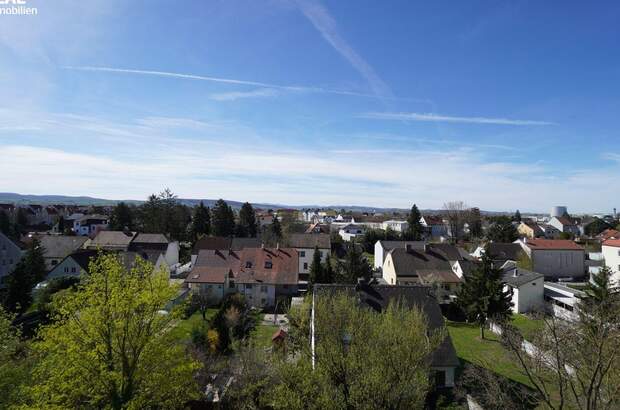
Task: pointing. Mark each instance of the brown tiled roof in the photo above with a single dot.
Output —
(609, 234)
(565, 221)
(612, 242)
(249, 265)
(224, 243)
(553, 244)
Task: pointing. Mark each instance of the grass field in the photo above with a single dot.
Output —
(527, 326)
(487, 353)
(183, 330)
(263, 333)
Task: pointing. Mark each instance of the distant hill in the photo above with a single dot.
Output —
(9, 197)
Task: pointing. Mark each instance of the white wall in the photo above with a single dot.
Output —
(528, 297)
(611, 254)
(559, 263)
(305, 261)
(68, 267)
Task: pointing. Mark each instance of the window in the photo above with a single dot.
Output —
(268, 264)
(321, 254)
(73, 270)
(248, 286)
(263, 289)
(302, 254)
(66, 270)
(231, 284)
(248, 264)
(262, 301)
(305, 265)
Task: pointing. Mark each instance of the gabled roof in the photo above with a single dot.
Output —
(564, 220)
(59, 246)
(552, 244)
(225, 243)
(309, 240)
(112, 240)
(389, 245)
(416, 265)
(446, 250)
(83, 257)
(517, 277)
(378, 297)
(150, 238)
(278, 266)
(609, 234)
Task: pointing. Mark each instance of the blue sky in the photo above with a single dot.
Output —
(503, 105)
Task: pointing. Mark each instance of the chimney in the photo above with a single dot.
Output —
(278, 245)
(262, 245)
(516, 273)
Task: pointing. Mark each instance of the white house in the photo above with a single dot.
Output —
(555, 258)
(528, 289)
(305, 244)
(73, 265)
(434, 226)
(398, 226)
(10, 255)
(611, 254)
(58, 247)
(351, 231)
(565, 224)
(90, 225)
(563, 300)
(383, 247)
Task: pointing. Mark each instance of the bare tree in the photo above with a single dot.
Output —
(456, 213)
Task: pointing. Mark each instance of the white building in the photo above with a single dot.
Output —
(351, 231)
(383, 247)
(555, 258)
(527, 288)
(563, 300)
(305, 244)
(398, 226)
(611, 254)
(564, 224)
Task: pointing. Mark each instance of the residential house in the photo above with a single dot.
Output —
(305, 244)
(10, 255)
(551, 232)
(397, 226)
(565, 224)
(530, 230)
(90, 225)
(611, 253)
(434, 226)
(383, 247)
(223, 243)
(262, 275)
(562, 300)
(608, 234)
(500, 252)
(443, 362)
(555, 258)
(157, 249)
(351, 231)
(73, 265)
(527, 288)
(318, 227)
(111, 241)
(405, 266)
(58, 247)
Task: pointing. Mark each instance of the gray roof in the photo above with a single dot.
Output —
(59, 246)
(389, 245)
(504, 251)
(378, 297)
(151, 238)
(517, 277)
(446, 250)
(309, 240)
(223, 243)
(112, 239)
(408, 263)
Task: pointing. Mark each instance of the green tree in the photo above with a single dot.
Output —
(596, 227)
(328, 271)
(20, 282)
(415, 230)
(475, 223)
(247, 226)
(222, 219)
(357, 350)
(317, 273)
(14, 362)
(5, 224)
(354, 265)
(482, 295)
(517, 217)
(276, 228)
(502, 231)
(21, 221)
(370, 238)
(109, 347)
(201, 222)
(121, 218)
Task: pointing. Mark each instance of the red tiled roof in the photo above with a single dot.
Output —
(610, 234)
(565, 221)
(612, 242)
(553, 244)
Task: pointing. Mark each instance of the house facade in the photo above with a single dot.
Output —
(611, 254)
(565, 224)
(58, 247)
(305, 245)
(383, 247)
(434, 226)
(397, 226)
(527, 289)
(555, 258)
(262, 275)
(351, 231)
(73, 265)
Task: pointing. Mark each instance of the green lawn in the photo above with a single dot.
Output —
(182, 331)
(487, 353)
(527, 326)
(263, 333)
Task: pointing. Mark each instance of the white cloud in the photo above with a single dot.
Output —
(236, 95)
(612, 157)
(327, 26)
(413, 116)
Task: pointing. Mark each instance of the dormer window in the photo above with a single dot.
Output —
(268, 265)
